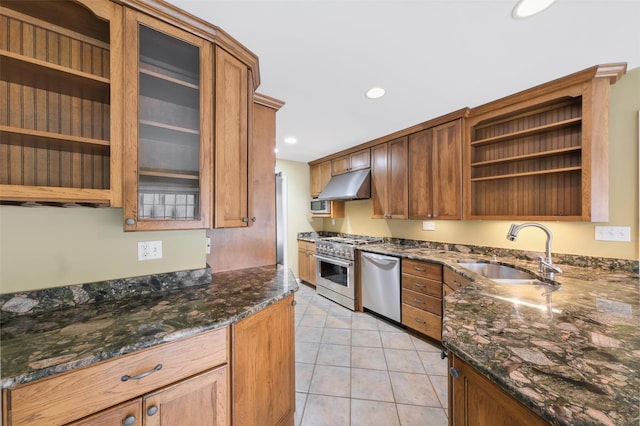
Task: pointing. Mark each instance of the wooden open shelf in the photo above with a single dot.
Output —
(170, 127)
(541, 154)
(173, 174)
(55, 98)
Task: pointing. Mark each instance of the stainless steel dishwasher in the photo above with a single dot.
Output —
(380, 278)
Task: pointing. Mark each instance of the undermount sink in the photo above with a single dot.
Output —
(502, 274)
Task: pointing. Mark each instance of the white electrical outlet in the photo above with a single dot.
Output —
(149, 250)
(428, 226)
(613, 233)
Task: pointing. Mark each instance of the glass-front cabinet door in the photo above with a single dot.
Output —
(167, 134)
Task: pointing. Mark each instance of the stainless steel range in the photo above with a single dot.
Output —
(335, 268)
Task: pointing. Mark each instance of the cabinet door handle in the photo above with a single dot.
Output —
(245, 219)
(141, 375)
(294, 303)
(253, 219)
(152, 410)
(130, 222)
(457, 283)
(129, 421)
(455, 373)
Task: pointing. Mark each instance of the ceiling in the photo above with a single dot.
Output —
(431, 56)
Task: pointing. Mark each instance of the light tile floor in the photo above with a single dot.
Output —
(355, 369)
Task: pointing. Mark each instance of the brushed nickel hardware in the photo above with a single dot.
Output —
(141, 375)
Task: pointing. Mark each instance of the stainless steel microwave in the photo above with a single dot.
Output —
(320, 207)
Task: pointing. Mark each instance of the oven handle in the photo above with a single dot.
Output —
(333, 260)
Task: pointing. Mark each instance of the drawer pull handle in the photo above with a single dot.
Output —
(152, 410)
(129, 421)
(141, 375)
(419, 285)
(457, 283)
(419, 321)
(419, 269)
(418, 300)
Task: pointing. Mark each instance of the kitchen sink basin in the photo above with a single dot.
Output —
(496, 271)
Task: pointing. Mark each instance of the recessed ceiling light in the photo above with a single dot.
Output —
(290, 140)
(375, 92)
(526, 8)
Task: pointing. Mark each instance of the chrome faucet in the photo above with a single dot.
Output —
(546, 268)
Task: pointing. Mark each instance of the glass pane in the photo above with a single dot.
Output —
(169, 129)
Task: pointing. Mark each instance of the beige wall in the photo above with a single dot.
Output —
(298, 197)
(570, 238)
(52, 246)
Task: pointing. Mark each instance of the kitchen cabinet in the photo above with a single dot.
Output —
(307, 262)
(389, 180)
(237, 248)
(263, 366)
(351, 162)
(319, 174)
(337, 211)
(155, 377)
(60, 96)
(452, 281)
(167, 131)
(199, 400)
(232, 194)
(475, 400)
(541, 154)
(435, 172)
(422, 297)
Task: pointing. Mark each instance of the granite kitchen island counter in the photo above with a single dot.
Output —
(50, 342)
(570, 355)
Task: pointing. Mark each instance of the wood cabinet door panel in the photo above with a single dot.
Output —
(340, 165)
(231, 202)
(379, 182)
(360, 160)
(478, 401)
(398, 192)
(320, 174)
(200, 400)
(420, 175)
(264, 366)
(447, 171)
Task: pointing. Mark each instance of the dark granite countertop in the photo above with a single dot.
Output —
(46, 343)
(571, 355)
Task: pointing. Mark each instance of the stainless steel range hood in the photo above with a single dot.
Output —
(348, 186)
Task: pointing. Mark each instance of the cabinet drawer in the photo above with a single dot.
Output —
(422, 269)
(454, 280)
(421, 321)
(307, 246)
(422, 285)
(78, 393)
(422, 301)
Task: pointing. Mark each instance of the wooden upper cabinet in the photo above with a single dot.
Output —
(389, 180)
(351, 162)
(435, 172)
(167, 133)
(232, 193)
(61, 97)
(320, 174)
(542, 154)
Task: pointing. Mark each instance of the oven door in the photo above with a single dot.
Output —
(335, 274)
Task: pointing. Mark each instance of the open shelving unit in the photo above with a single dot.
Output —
(541, 154)
(55, 105)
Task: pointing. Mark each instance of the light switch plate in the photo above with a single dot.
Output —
(613, 233)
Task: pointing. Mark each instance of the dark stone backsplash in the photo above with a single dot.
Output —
(604, 263)
(36, 301)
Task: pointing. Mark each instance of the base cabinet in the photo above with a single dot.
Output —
(422, 297)
(200, 400)
(475, 400)
(307, 262)
(263, 367)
